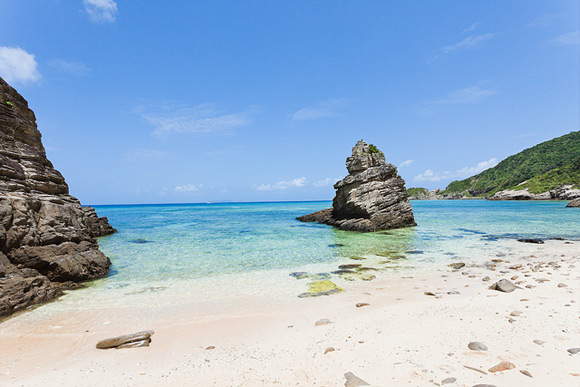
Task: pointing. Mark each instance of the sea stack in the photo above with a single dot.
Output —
(372, 197)
(47, 240)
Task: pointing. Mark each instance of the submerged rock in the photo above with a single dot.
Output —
(133, 340)
(46, 237)
(456, 265)
(321, 288)
(372, 197)
(531, 240)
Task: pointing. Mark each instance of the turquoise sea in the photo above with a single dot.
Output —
(191, 241)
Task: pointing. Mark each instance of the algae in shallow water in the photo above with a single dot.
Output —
(321, 288)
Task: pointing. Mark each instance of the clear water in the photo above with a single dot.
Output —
(191, 241)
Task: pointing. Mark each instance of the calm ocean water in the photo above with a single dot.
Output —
(190, 241)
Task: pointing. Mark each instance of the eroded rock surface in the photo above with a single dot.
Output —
(574, 203)
(47, 239)
(372, 197)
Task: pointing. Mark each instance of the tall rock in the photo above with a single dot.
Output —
(372, 197)
(47, 240)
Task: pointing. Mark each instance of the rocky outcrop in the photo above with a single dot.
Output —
(372, 197)
(574, 203)
(47, 240)
(566, 192)
(439, 194)
(97, 226)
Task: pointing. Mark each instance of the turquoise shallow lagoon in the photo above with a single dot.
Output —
(189, 241)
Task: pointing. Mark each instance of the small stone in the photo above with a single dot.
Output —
(503, 366)
(329, 349)
(475, 369)
(361, 304)
(531, 240)
(574, 351)
(349, 266)
(515, 277)
(561, 285)
(353, 381)
(486, 278)
(322, 321)
(516, 313)
(321, 288)
(210, 347)
(453, 292)
(133, 340)
(299, 275)
(503, 285)
(457, 265)
(448, 380)
(477, 346)
(526, 373)
(430, 294)
(539, 342)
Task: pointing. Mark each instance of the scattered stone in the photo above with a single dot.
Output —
(457, 265)
(358, 258)
(486, 278)
(321, 288)
(322, 321)
(430, 294)
(139, 339)
(139, 241)
(561, 285)
(531, 240)
(516, 313)
(350, 266)
(484, 385)
(511, 320)
(453, 292)
(354, 381)
(299, 274)
(503, 285)
(210, 347)
(574, 351)
(414, 252)
(336, 245)
(329, 349)
(539, 342)
(475, 369)
(448, 380)
(526, 373)
(361, 304)
(477, 346)
(503, 366)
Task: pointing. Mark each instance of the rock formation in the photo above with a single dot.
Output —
(372, 197)
(565, 192)
(47, 240)
(574, 203)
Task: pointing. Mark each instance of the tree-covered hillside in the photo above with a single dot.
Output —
(539, 169)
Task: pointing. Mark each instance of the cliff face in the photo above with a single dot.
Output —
(372, 197)
(47, 240)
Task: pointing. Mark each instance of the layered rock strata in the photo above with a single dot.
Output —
(47, 240)
(566, 192)
(372, 197)
(574, 203)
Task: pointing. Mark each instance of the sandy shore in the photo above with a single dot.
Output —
(403, 337)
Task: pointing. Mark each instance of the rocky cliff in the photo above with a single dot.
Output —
(574, 203)
(47, 240)
(372, 197)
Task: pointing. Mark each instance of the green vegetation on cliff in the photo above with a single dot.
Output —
(539, 169)
(417, 191)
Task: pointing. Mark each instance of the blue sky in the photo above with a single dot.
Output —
(148, 102)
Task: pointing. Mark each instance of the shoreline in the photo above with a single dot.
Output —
(403, 335)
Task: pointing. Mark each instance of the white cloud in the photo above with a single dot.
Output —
(462, 173)
(17, 65)
(458, 97)
(329, 181)
(74, 68)
(568, 39)
(406, 163)
(188, 188)
(198, 119)
(325, 109)
(468, 42)
(101, 11)
(144, 155)
(282, 185)
(471, 28)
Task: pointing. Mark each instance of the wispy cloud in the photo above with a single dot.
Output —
(471, 28)
(101, 11)
(468, 42)
(568, 39)
(329, 181)
(545, 20)
(325, 109)
(462, 173)
(17, 65)
(188, 188)
(464, 96)
(406, 163)
(202, 118)
(282, 185)
(144, 155)
(73, 68)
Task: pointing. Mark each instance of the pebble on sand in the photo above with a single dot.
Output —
(457, 265)
(322, 321)
(448, 380)
(133, 340)
(503, 285)
(329, 349)
(503, 366)
(477, 346)
(539, 342)
(354, 381)
(361, 304)
(574, 351)
(561, 285)
(526, 373)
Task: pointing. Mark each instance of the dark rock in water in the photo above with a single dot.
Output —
(46, 237)
(414, 252)
(456, 265)
(349, 266)
(336, 245)
(299, 275)
(504, 285)
(371, 198)
(574, 203)
(321, 288)
(139, 241)
(343, 271)
(133, 340)
(354, 381)
(530, 240)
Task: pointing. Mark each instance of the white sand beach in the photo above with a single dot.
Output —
(402, 337)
